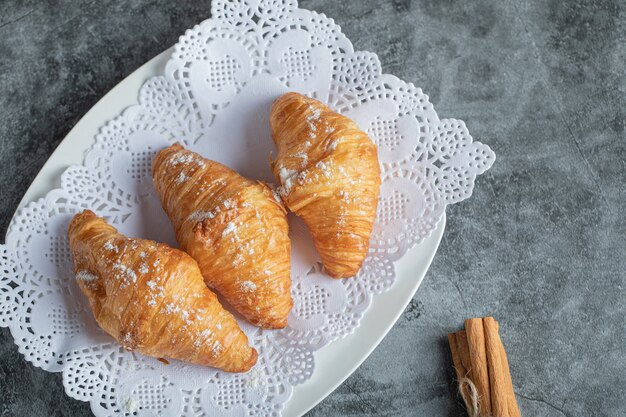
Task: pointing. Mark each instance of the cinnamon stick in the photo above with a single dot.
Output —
(461, 341)
(460, 359)
(456, 357)
(512, 402)
(478, 357)
(498, 388)
(513, 408)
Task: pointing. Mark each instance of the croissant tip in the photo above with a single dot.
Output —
(177, 146)
(161, 156)
(86, 213)
(249, 364)
(174, 147)
(243, 366)
(254, 356)
(274, 325)
(269, 323)
(80, 217)
(341, 273)
(288, 96)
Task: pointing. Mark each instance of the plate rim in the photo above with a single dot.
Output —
(434, 239)
(71, 151)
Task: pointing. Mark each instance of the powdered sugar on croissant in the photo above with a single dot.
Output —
(234, 228)
(329, 175)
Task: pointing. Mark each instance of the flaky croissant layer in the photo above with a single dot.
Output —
(234, 228)
(330, 176)
(152, 298)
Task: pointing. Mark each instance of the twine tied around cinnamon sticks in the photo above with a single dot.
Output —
(482, 369)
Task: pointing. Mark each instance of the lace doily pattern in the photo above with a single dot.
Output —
(215, 98)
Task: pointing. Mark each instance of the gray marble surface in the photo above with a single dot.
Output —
(541, 245)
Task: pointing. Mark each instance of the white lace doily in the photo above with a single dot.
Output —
(215, 98)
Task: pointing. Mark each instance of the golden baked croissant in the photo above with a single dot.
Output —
(234, 228)
(151, 298)
(329, 175)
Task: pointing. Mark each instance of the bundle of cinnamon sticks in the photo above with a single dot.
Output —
(482, 369)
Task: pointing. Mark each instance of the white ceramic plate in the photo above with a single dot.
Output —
(335, 362)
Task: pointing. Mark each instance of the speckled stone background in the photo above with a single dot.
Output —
(541, 245)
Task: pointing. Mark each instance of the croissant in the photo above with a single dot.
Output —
(151, 298)
(234, 228)
(329, 175)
